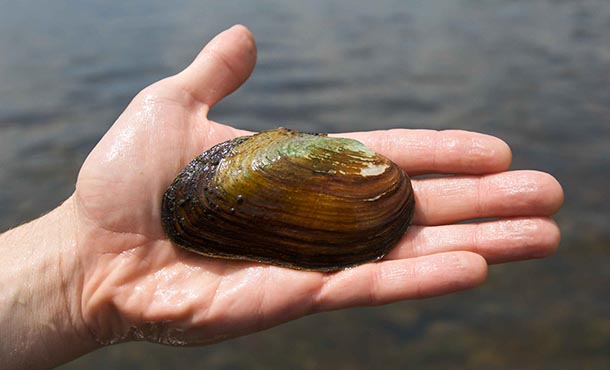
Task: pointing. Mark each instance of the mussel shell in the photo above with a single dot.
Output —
(305, 201)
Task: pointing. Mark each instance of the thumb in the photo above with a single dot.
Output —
(221, 67)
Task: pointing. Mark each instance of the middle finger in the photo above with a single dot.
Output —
(447, 200)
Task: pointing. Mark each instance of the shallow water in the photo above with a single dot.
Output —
(536, 74)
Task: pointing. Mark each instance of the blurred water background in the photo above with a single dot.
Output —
(535, 73)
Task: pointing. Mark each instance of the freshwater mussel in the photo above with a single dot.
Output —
(283, 197)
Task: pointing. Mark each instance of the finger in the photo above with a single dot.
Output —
(497, 241)
(508, 194)
(222, 66)
(390, 281)
(429, 151)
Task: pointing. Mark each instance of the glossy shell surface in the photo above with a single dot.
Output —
(304, 201)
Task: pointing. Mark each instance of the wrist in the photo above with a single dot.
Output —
(41, 284)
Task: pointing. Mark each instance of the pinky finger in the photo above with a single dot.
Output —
(391, 281)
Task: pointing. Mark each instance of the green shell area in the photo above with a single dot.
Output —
(319, 153)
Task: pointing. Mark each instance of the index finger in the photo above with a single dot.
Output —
(445, 152)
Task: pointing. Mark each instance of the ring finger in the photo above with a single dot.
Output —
(497, 241)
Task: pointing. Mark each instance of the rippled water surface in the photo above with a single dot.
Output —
(535, 73)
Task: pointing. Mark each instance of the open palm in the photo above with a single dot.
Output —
(136, 285)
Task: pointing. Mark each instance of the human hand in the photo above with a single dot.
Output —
(132, 284)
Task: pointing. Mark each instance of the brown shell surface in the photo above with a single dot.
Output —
(304, 201)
